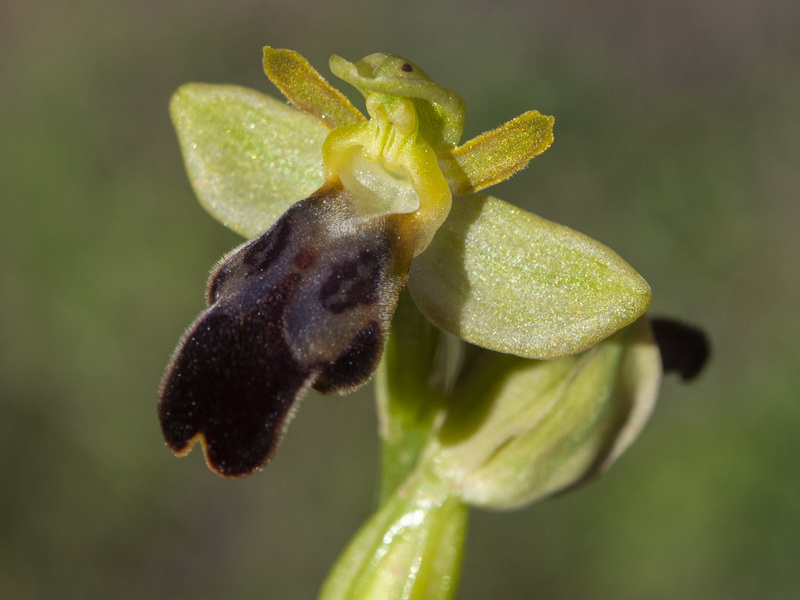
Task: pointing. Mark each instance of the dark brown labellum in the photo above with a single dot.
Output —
(684, 349)
(307, 303)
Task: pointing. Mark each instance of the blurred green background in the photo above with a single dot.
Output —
(677, 144)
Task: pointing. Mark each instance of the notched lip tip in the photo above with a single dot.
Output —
(185, 449)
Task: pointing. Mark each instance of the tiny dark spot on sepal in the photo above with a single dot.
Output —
(685, 349)
(407, 67)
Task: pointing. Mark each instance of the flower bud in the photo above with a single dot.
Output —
(520, 430)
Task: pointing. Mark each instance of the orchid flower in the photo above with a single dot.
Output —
(342, 212)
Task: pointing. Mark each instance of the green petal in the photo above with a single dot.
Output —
(304, 87)
(496, 155)
(249, 156)
(510, 281)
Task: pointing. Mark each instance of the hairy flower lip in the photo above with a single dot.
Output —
(307, 304)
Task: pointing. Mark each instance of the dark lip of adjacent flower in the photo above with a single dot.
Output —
(685, 349)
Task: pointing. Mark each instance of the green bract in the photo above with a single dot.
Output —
(510, 430)
(494, 275)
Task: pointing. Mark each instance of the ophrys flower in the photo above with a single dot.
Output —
(343, 212)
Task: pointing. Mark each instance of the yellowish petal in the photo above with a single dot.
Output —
(496, 155)
(304, 87)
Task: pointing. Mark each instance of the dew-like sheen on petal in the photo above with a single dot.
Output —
(508, 280)
(248, 155)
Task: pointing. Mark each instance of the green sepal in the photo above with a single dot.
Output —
(249, 156)
(508, 280)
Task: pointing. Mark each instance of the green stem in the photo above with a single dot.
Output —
(410, 549)
(407, 402)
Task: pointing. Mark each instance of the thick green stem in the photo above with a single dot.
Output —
(410, 549)
(407, 403)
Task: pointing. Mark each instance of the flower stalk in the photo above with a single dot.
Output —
(407, 398)
(410, 549)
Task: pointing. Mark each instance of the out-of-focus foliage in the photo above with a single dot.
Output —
(677, 143)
